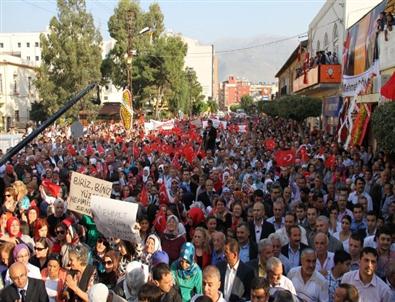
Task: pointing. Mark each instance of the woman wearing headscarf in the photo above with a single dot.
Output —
(136, 276)
(111, 273)
(195, 218)
(146, 174)
(21, 253)
(186, 273)
(171, 239)
(152, 244)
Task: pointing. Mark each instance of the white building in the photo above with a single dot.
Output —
(327, 30)
(17, 91)
(20, 55)
(23, 45)
(201, 58)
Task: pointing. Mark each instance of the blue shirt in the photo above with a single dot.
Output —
(245, 253)
(358, 226)
(217, 258)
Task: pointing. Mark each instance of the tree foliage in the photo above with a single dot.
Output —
(383, 125)
(294, 107)
(157, 70)
(247, 103)
(212, 106)
(71, 56)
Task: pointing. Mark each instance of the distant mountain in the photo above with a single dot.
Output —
(258, 64)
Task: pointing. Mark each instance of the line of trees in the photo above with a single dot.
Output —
(72, 58)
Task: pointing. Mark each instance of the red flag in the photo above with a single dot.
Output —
(285, 158)
(304, 156)
(71, 150)
(189, 154)
(160, 221)
(51, 188)
(330, 161)
(144, 197)
(163, 196)
(100, 149)
(89, 150)
(270, 144)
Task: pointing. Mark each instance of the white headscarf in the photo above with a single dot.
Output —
(146, 170)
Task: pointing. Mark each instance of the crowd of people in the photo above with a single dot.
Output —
(385, 22)
(321, 58)
(221, 217)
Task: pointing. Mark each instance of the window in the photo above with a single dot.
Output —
(28, 58)
(326, 41)
(15, 84)
(335, 32)
(19, 44)
(27, 44)
(29, 84)
(318, 46)
(37, 58)
(37, 44)
(1, 45)
(17, 115)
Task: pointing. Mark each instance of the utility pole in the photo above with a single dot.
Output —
(129, 58)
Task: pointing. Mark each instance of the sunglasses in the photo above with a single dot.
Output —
(7, 195)
(39, 248)
(60, 232)
(108, 262)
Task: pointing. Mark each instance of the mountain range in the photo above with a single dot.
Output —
(256, 59)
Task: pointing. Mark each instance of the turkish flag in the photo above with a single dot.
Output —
(285, 158)
(304, 156)
(270, 144)
(144, 197)
(51, 188)
(163, 196)
(71, 150)
(100, 149)
(89, 150)
(330, 161)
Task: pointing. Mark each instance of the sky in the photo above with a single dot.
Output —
(205, 20)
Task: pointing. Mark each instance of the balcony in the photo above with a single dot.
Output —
(327, 75)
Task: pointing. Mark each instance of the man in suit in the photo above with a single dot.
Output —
(23, 288)
(265, 248)
(235, 275)
(248, 248)
(259, 228)
(294, 248)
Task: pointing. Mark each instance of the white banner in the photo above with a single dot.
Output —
(115, 218)
(351, 83)
(82, 189)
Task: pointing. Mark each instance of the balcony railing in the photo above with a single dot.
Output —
(321, 74)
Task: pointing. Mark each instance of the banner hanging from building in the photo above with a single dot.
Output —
(331, 106)
(360, 53)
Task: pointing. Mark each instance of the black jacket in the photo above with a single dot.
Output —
(241, 285)
(267, 229)
(35, 292)
(285, 249)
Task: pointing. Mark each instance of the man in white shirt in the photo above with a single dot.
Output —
(277, 280)
(284, 232)
(235, 275)
(360, 191)
(324, 258)
(309, 284)
(278, 211)
(370, 286)
(211, 284)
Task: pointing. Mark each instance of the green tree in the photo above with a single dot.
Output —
(246, 103)
(383, 126)
(294, 107)
(212, 106)
(234, 107)
(71, 56)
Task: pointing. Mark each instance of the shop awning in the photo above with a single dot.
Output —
(388, 90)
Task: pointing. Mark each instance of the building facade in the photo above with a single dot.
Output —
(232, 90)
(17, 92)
(20, 56)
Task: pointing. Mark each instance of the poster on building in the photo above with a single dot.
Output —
(331, 106)
(360, 53)
(83, 188)
(115, 218)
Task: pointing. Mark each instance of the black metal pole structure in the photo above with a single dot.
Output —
(70, 103)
